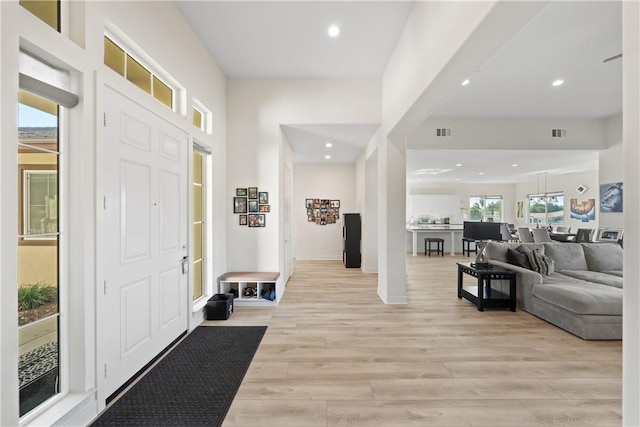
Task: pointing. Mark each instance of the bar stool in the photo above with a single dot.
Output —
(467, 242)
(439, 245)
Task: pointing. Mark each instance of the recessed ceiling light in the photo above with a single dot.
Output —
(458, 164)
(480, 173)
(515, 165)
(457, 179)
(465, 82)
(328, 145)
(334, 31)
(558, 82)
(327, 156)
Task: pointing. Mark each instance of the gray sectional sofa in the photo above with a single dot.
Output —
(584, 293)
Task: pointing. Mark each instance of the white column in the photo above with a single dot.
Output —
(631, 138)
(392, 281)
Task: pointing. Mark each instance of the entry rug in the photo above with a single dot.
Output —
(193, 385)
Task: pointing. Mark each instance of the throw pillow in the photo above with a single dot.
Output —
(541, 263)
(518, 258)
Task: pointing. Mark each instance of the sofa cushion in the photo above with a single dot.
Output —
(614, 273)
(594, 277)
(521, 259)
(540, 262)
(567, 256)
(589, 298)
(602, 256)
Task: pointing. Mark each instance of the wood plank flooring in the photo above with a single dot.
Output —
(335, 355)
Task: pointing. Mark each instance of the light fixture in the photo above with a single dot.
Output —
(557, 82)
(515, 165)
(327, 157)
(458, 164)
(328, 145)
(334, 31)
(480, 173)
(465, 82)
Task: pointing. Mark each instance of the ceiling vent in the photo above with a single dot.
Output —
(443, 132)
(558, 133)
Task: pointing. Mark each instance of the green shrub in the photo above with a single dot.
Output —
(32, 295)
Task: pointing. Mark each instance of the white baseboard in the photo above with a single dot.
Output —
(393, 299)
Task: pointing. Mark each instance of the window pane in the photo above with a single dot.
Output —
(197, 118)
(39, 202)
(476, 208)
(37, 121)
(37, 282)
(113, 56)
(536, 210)
(162, 92)
(138, 75)
(197, 203)
(197, 168)
(555, 209)
(493, 209)
(197, 279)
(197, 241)
(47, 10)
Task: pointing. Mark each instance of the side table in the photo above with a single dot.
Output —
(483, 295)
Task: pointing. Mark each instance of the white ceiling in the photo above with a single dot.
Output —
(288, 39)
(282, 39)
(496, 166)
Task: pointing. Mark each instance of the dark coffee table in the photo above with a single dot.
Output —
(483, 295)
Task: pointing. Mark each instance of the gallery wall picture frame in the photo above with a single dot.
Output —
(322, 211)
(264, 208)
(241, 192)
(263, 198)
(308, 203)
(243, 220)
(256, 220)
(334, 203)
(253, 192)
(253, 206)
(239, 205)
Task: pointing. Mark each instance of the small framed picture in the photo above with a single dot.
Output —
(253, 192)
(241, 192)
(243, 220)
(239, 205)
(334, 203)
(265, 208)
(609, 235)
(263, 197)
(308, 203)
(253, 206)
(256, 220)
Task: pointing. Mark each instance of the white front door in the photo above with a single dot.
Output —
(145, 217)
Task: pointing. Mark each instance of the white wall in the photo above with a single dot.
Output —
(322, 181)
(611, 167)
(256, 109)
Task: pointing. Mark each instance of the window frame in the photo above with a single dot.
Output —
(486, 197)
(547, 197)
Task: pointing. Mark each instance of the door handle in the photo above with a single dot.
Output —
(185, 264)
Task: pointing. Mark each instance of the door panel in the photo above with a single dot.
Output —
(144, 306)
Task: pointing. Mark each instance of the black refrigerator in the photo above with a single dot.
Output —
(351, 240)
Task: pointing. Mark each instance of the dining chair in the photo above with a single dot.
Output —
(525, 235)
(561, 229)
(584, 235)
(541, 235)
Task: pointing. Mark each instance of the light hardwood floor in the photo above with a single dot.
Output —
(335, 355)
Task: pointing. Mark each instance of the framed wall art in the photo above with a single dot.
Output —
(243, 220)
(239, 205)
(265, 208)
(241, 192)
(253, 206)
(322, 211)
(253, 192)
(256, 220)
(263, 198)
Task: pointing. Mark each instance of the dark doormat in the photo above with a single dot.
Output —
(193, 385)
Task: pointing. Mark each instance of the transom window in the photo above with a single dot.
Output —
(47, 10)
(485, 208)
(123, 63)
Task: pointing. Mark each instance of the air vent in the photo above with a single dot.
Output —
(558, 133)
(443, 132)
